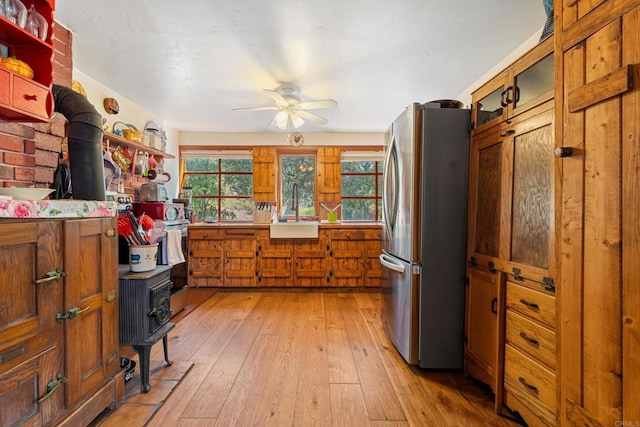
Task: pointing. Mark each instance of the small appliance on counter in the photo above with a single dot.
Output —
(153, 192)
(170, 213)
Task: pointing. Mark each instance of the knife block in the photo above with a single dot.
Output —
(263, 212)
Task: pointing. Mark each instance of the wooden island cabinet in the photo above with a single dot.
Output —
(243, 255)
(59, 344)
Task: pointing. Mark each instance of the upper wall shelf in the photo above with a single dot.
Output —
(115, 139)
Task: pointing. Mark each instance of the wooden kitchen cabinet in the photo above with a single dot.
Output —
(57, 367)
(511, 227)
(598, 298)
(91, 288)
(530, 351)
(484, 301)
(511, 197)
(31, 341)
(234, 256)
(311, 261)
(205, 259)
(275, 258)
(240, 247)
(527, 83)
(23, 99)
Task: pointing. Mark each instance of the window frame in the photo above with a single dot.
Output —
(280, 197)
(377, 174)
(218, 155)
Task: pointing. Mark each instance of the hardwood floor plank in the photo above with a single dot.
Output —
(214, 390)
(342, 367)
(313, 398)
(347, 406)
(239, 408)
(379, 395)
(282, 378)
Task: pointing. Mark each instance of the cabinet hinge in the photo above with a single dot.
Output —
(466, 340)
(492, 266)
(473, 261)
(517, 274)
(467, 280)
(549, 284)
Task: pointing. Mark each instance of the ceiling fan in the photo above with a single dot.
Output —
(292, 111)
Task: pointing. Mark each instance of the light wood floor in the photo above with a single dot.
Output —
(307, 359)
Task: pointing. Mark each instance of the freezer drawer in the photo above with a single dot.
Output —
(400, 308)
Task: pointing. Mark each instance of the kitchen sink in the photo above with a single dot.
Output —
(294, 230)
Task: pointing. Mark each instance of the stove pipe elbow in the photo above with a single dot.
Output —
(85, 143)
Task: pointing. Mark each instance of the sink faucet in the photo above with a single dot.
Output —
(295, 202)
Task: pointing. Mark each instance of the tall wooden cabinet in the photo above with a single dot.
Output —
(598, 144)
(59, 321)
(511, 232)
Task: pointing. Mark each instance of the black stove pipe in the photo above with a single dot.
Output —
(85, 143)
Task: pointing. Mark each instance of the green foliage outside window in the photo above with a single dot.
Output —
(361, 190)
(222, 188)
(300, 170)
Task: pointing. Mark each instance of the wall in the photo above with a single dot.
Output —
(280, 138)
(131, 113)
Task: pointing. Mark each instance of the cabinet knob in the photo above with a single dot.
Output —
(563, 152)
(110, 233)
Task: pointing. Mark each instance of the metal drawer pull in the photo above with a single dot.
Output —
(528, 339)
(529, 387)
(51, 276)
(507, 132)
(52, 386)
(531, 305)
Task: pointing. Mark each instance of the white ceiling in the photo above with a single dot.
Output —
(192, 61)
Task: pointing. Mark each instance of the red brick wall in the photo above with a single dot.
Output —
(29, 153)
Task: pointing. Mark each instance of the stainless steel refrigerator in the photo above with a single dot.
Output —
(424, 238)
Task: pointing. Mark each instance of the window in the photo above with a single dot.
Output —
(361, 175)
(222, 184)
(298, 170)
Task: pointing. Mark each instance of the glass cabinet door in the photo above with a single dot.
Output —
(490, 107)
(534, 82)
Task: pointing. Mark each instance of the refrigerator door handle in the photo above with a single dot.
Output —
(390, 213)
(390, 264)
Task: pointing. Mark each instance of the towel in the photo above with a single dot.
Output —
(174, 247)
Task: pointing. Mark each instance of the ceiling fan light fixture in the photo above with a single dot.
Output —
(296, 120)
(281, 120)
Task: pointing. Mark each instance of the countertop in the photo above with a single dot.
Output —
(27, 209)
(322, 224)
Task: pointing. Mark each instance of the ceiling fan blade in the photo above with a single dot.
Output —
(280, 100)
(320, 103)
(312, 117)
(255, 108)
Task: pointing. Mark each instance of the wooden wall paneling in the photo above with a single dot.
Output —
(328, 174)
(264, 174)
(602, 237)
(569, 291)
(631, 224)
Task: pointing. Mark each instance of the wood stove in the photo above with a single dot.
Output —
(145, 310)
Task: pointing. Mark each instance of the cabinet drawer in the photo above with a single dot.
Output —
(532, 303)
(5, 87)
(200, 234)
(347, 234)
(532, 338)
(240, 234)
(30, 97)
(373, 234)
(529, 381)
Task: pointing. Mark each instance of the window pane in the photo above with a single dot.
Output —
(205, 209)
(380, 181)
(358, 186)
(237, 185)
(237, 165)
(359, 210)
(300, 170)
(237, 210)
(358, 166)
(203, 185)
(201, 165)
